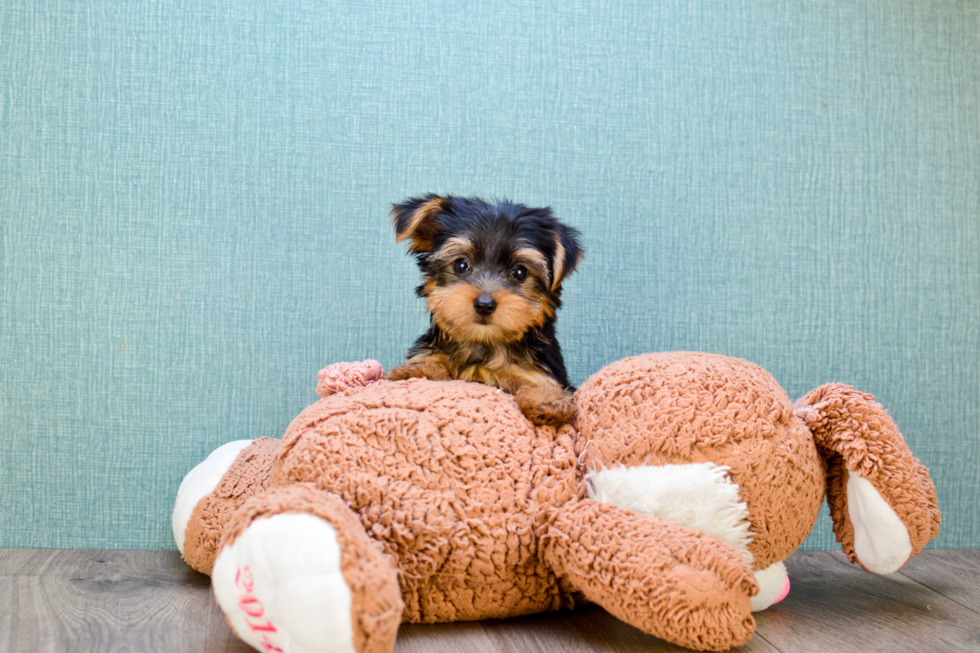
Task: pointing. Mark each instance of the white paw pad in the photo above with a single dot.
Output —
(881, 541)
(773, 586)
(281, 586)
(201, 482)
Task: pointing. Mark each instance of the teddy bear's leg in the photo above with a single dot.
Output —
(212, 491)
(674, 582)
(297, 572)
(881, 498)
(701, 496)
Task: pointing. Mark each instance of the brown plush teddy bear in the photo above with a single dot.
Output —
(671, 501)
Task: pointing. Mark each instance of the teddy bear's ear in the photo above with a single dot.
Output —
(881, 498)
(417, 219)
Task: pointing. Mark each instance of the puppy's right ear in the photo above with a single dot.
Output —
(568, 254)
(417, 219)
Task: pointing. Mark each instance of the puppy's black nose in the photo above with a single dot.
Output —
(484, 305)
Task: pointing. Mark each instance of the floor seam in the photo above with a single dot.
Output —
(909, 578)
(766, 640)
(949, 598)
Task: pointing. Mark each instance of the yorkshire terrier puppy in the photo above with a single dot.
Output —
(491, 280)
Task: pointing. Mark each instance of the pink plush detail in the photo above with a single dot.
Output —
(783, 594)
(341, 376)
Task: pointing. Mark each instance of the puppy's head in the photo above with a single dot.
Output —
(491, 270)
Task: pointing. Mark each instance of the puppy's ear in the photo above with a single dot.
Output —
(568, 254)
(417, 220)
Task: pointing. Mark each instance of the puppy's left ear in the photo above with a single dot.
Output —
(568, 254)
(417, 220)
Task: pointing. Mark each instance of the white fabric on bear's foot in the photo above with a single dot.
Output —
(281, 586)
(881, 541)
(772, 583)
(201, 482)
(697, 495)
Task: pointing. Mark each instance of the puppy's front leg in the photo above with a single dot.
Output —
(429, 365)
(544, 401)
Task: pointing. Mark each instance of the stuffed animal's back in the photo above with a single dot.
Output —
(689, 407)
(451, 479)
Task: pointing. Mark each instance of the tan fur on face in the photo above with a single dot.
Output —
(428, 286)
(454, 248)
(516, 313)
(452, 309)
(532, 258)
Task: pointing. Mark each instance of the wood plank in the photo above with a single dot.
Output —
(537, 633)
(464, 637)
(954, 573)
(604, 632)
(836, 606)
(108, 601)
(151, 600)
(588, 629)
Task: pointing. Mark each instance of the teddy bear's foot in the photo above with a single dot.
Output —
(281, 586)
(297, 573)
(200, 482)
(881, 498)
(671, 581)
(773, 586)
(211, 493)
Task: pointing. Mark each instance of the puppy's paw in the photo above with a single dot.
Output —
(542, 406)
(400, 373)
(420, 367)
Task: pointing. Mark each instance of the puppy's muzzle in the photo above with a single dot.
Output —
(484, 305)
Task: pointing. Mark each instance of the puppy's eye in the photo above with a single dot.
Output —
(461, 266)
(519, 272)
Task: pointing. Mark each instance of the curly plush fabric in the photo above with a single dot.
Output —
(855, 434)
(675, 408)
(247, 476)
(481, 515)
(376, 606)
(673, 582)
(449, 477)
(345, 376)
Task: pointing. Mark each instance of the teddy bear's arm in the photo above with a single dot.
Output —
(881, 498)
(674, 582)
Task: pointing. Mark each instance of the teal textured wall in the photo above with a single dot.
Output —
(193, 203)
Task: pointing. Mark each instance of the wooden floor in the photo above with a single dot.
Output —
(81, 601)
